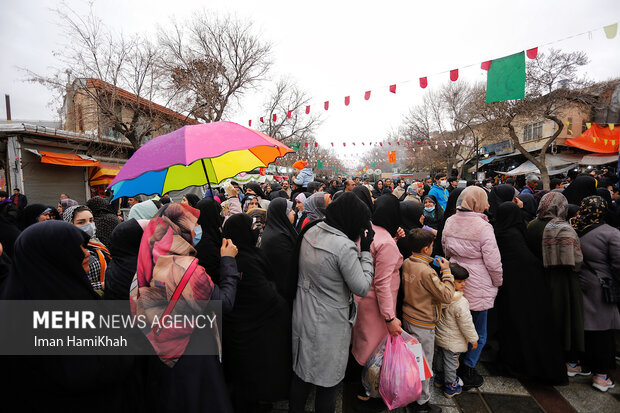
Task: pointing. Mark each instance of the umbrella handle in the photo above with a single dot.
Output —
(206, 174)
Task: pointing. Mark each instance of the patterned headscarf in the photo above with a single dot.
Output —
(167, 271)
(591, 214)
(560, 243)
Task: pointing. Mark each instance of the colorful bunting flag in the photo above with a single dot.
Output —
(319, 164)
(532, 53)
(250, 122)
(506, 78)
(289, 114)
(326, 105)
(392, 157)
(423, 82)
(588, 125)
(373, 164)
(454, 75)
(307, 109)
(295, 146)
(611, 30)
(393, 88)
(274, 117)
(347, 100)
(485, 65)
(367, 95)
(262, 120)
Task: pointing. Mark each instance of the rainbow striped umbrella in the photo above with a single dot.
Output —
(195, 155)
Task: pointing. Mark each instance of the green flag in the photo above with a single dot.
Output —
(333, 168)
(295, 146)
(319, 164)
(506, 78)
(373, 164)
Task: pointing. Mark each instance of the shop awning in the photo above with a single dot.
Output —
(104, 174)
(65, 159)
(599, 159)
(556, 164)
(485, 161)
(597, 139)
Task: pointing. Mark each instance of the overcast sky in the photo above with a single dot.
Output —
(335, 48)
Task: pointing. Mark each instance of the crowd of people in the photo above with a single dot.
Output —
(313, 275)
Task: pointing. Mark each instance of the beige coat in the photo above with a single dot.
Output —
(456, 327)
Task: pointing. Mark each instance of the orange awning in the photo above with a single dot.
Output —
(104, 174)
(65, 159)
(597, 139)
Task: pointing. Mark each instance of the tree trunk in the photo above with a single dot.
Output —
(540, 164)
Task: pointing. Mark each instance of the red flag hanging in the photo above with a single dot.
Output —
(380, 143)
(454, 75)
(262, 120)
(393, 88)
(306, 144)
(344, 144)
(485, 65)
(423, 82)
(353, 143)
(326, 105)
(362, 143)
(316, 144)
(307, 109)
(398, 143)
(274, 117)
(390, 143)
(332, 143)
(408, 144)
(250, 122)
(289, 114)
(367, 95)
(347, 100)
(532, 53)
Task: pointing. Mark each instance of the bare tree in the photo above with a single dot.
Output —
(288, 98)
(552, 85)
(210, 61)
(440, 122)
(103, 66)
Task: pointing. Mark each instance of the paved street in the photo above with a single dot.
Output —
(507, 395)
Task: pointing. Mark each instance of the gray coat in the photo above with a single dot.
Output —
(331, 270)
(601, 250)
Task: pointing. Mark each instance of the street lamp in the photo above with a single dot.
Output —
(475, 143)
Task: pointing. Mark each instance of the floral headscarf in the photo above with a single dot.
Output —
(591, 214)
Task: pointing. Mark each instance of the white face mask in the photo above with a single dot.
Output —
(402, 184)
(89, 228)
(443, 184)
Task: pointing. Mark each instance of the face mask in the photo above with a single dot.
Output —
(89, 228)
(429, 209)
(443, 184)
(489, 186)
(198, 236)
(402, 185)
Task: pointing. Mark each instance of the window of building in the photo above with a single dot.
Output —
(532, 131)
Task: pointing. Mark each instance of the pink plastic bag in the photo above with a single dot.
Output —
(400, 378)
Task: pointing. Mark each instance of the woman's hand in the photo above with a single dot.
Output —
(400, 233)
(518, 202)
(394, 327)
(228, 248)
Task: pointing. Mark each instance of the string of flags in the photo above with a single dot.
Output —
(505, 77)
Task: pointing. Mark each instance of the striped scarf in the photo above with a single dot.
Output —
(560, 243)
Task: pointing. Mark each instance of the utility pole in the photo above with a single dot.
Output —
(475, 143)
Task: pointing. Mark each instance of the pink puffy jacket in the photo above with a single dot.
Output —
(468, 240)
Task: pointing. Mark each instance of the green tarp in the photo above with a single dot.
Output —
(506, 78)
